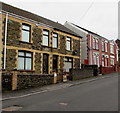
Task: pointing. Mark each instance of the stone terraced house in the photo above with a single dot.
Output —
(32, 44)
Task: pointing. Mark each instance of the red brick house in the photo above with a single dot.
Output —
(96, 50)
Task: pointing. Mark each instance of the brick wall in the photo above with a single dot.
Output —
(107, 70)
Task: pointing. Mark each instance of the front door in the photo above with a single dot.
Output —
(45, 63)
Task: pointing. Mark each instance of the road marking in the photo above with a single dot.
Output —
(23, 95)
(63, 104)
(12, 108)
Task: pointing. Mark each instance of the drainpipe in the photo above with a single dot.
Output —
(90, 59)
(5, 40)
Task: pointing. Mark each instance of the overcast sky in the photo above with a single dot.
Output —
(99, 16)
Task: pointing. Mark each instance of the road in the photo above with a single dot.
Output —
(99, 95)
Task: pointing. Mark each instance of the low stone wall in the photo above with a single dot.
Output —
(25, 81)
(77, 74)
(15, 81)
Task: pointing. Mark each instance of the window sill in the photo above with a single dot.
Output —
(69, 50)
(46, 46)
(26, 70)
(25, 42)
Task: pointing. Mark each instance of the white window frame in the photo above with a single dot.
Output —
(94, 43)
(55, 36)
(68, 41)
(46, 34)
(26, 28)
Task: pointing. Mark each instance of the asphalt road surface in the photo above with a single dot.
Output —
(99, 95)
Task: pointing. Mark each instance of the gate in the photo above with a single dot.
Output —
(7, 82)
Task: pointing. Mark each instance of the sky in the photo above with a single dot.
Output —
(99, 16)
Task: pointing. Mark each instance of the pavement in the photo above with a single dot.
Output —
(37, 90)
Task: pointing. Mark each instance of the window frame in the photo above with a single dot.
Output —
(24, 24)
(103, 46)
(112, 61)
(111, 49)
(97, 44)
(24, 56)
(106, 46)
(53, 37)
(94, 43)
(45, 35)
(67, 43)
(68, 60)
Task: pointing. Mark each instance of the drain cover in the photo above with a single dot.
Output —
(12, 108)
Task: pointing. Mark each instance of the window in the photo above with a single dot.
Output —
(55, 40)
(68, 43)
(97, 43)
(106, 47)
(103, 47)
(45, 37)
(112, 61)
(103, 60)
(95, 60)
(111, 49)
(55, 63)
(93, 43)
(67, 64)
(24, 60)
(45, 63)
(25, 33)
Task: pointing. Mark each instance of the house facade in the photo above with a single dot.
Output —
(32, 44)
(96, 50)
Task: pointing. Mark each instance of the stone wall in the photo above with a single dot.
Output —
(37, 38)
(62, 45)
(77, 63)
(78, 74)
(26, 81)
(37, 63)
(11, 59)
(76, 47)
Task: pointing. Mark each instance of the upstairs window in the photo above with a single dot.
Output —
(55, 40)
(25, 60)
(111, 49)
(97, 44)
(103, 46)
(106, 47)
(25, 32)
(45, 38)
(68, 43)
(93, 43)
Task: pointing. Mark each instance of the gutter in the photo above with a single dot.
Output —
(6, 22)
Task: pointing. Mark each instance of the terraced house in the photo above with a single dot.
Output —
(32, 44)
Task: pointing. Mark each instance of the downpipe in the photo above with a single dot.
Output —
(6, 23)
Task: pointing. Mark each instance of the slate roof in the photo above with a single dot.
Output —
(90, 32)
(55, 25)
